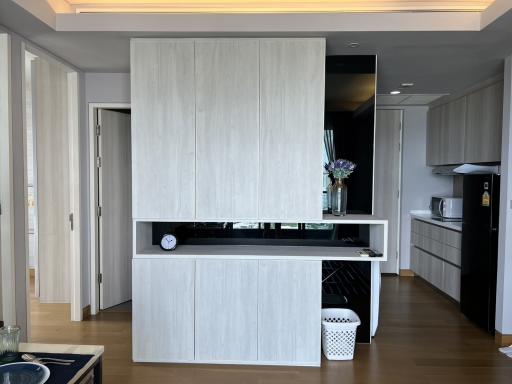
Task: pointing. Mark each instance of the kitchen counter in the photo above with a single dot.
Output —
(426, 217)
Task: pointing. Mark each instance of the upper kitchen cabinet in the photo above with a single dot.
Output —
(453, 130)
(227, 128)
(468, 129)
(435, 122)
(163, 128)
(292, 83)
(484, 124)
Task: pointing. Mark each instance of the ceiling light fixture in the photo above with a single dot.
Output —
(395, 92)
(407, 85)
(353, 45)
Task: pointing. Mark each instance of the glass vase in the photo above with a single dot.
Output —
(339, 198)
(9, 343)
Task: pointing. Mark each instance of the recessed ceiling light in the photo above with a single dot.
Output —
(407, 85)
(353, 44)
(395, 92)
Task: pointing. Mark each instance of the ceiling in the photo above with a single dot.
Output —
(438, 62)
(258, 6)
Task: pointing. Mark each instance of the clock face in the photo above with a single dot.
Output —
(168, 242)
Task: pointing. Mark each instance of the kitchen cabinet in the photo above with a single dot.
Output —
(292, 83)
(436, 256)
(468, 129)
(484, 125)
(163, 310)
(163, 129)
(226, 320)
(451, 281)
(289, 309)
(435, 121)
(227, 128)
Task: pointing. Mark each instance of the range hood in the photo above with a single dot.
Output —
(461, 169)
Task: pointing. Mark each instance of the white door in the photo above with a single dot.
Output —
(51, 127)
(115, 214)
(388, 134)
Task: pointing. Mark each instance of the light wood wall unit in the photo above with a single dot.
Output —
(468, 129)
(163, 310)
(484, 125)
(163, 128)
(436, 256)
(292, 86)
(227, 127)
(226, 320)
(53, 190)
(289, 309)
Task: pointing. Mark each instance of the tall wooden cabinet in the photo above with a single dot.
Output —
(163, 128)
(292, 84)
(227, 128)
(468, 129)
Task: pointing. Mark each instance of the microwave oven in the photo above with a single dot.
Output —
(447, 208)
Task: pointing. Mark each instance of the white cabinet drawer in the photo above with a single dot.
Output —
(414, 260)
(415, 239)
(435, 271)
(451, 281)
(415, 226)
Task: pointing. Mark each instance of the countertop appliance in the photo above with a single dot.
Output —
(446, 208)
(480, 219)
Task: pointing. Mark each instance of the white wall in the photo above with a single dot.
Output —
(418, 182)
(99, 88)
(504, 281)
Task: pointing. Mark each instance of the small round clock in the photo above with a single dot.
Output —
(168, 242)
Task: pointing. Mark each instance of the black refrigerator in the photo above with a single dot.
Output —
(480, 219)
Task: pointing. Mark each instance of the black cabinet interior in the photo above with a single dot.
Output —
(292, 234)
(350, 118)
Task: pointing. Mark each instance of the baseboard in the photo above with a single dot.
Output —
(86, 312)
(407, 273)
(502, 340)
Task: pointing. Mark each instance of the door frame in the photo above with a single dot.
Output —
(93, 227)
(7, 262)
(74, 176)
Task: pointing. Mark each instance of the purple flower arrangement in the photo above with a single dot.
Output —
(341, 168)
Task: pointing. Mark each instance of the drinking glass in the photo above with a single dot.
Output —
(9, 343)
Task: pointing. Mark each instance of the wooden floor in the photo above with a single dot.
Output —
(422, 339)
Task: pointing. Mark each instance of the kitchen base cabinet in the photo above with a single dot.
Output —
(289, 312)
(226, 327)
(163, 310)
(436, 256)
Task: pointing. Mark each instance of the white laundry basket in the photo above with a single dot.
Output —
(339, 328)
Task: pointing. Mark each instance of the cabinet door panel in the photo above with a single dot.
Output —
(435, 121)
(163, 129)
(435, 272)
(453, 130)
(163, 310)
(226, 310)
(484, 125)
(292, 82)
(227, 94)
(451, 281)
(289, 311)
